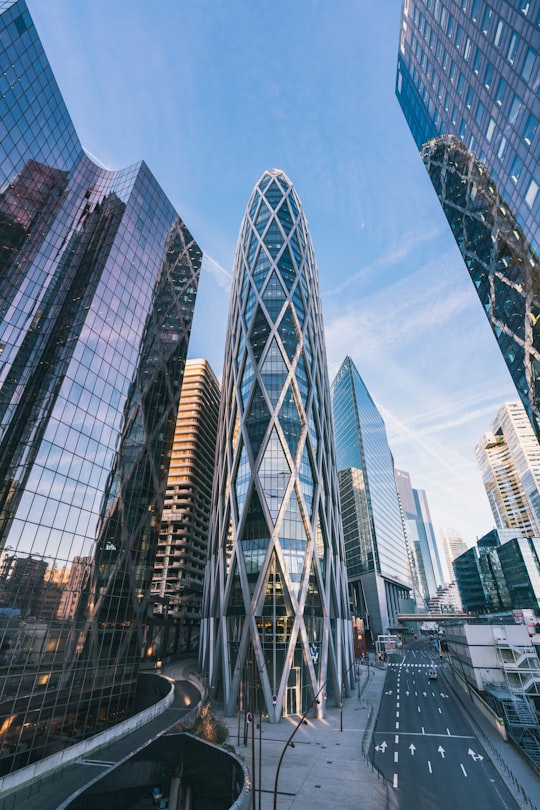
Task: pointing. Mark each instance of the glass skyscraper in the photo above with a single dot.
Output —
(467, 81)
(421, 542)
(98, 277)
(378, 565)
(276, 617)
(509, 460)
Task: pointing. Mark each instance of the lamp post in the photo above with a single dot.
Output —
(290, 742)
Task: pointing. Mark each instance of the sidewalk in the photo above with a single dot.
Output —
(327, 766)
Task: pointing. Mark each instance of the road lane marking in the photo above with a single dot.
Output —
(418, 707)
(429, 766)
(396, 756)
(448, 732)
(397, 724)
(395, 780)
(397, 714)
(429, 734)
(463, 769)
(396, 739)
(440, 710)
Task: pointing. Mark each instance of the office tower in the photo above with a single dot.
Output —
(475, 576)
(467, 80)
(98, 277)
(509, 460)
(276, 616)
(493, 577)
(375, 545)
(424, 554)
(453, 545)
(183, 540)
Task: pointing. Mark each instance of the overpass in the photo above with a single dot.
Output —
(432, 617)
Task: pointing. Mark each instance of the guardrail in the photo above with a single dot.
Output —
(55, 762)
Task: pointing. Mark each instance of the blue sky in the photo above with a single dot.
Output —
(210, 93)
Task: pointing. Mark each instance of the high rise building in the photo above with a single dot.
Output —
(378, 566)
(494, 577)
(276, 615)
(98, 277)
(183, 540)
(509, 459)
(453, 545)
(421, 542)
(467, 80)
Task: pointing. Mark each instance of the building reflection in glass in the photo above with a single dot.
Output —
(98, 278)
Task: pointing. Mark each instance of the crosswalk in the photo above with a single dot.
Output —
(407, 664)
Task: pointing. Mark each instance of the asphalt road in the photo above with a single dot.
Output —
(423, 744)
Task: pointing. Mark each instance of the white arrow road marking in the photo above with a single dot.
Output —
(440, 749)
(474, 755)
(463, 769)
(412, 748)
(407, 693)
(389, 692)
(382, 747)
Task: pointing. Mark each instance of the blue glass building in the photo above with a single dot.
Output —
(378, 566)
(98, 277)
(424, 554)
(467, 80)
(276, 629)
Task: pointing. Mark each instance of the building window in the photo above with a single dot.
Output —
(450, 26)
(501, 90)
(532, 191)
(452, 71)
(517, 166)
(530, 129)
(514, 109)
(490, 130)
(460, 84)
(444, 59)
(477, 61)
(469, 98)
(485, 19)
(512, 47)
(501, 151)
(458, 37)
(467, 50)
(479, 111)
(528, 64)
(475, 10)
(498, 33)
(488, 75)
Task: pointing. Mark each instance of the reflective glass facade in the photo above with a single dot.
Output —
(509, 460)
(377, 556)
(467, 80)
(98, 277)
(424, 554)
(275, 599)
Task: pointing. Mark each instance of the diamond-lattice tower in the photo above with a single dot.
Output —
(276, 616)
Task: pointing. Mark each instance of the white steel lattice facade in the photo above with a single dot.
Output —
(275, 598)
